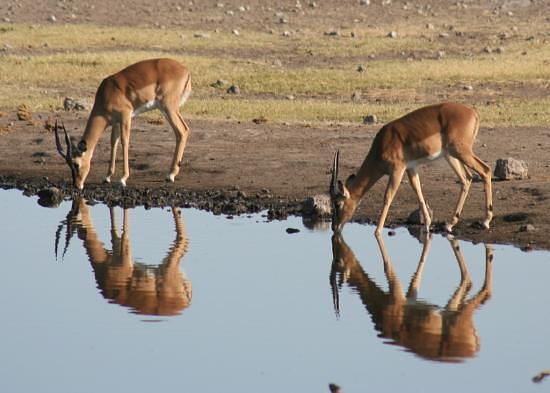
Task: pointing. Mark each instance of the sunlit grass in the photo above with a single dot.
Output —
(44, 77)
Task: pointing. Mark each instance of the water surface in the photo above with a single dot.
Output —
(157, 300)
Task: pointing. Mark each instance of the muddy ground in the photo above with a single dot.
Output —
(232, 167)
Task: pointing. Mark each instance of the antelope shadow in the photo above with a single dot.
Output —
(445, 334)
(145, 289)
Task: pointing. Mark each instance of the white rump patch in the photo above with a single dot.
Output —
(148, 106)
(184, 97)
(414, 163)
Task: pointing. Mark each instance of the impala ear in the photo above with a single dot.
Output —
(350, 179)
(82, 146)
(342, 189)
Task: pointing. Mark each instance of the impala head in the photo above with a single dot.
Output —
(73, 157)
(343, 206)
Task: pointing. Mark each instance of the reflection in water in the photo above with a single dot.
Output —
(436, 333)
(160, 290)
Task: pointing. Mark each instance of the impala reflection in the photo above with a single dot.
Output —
(160, 290)
(437, 333)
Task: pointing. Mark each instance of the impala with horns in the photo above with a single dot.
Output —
(445, 130)
(150, 290)
(445, 334)
(162, 84)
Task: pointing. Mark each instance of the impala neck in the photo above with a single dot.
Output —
(367, 175)
(94, 128)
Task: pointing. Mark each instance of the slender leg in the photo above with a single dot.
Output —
(470, 160)
(126, 123)
(391, 189)
(414, 179)
(414, 285)
(115, 138)
(465, 281)
(465, 177)
(182, 132)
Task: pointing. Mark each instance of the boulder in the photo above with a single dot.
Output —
(510, 168)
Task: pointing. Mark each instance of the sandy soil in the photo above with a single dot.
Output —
(291, 161)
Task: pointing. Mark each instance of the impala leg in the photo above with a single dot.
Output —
(391, 189)
(414, 179)
(465, 281)
(484, 171)
(115, 138)
(125, 125)
(182, 133)
(465, 177)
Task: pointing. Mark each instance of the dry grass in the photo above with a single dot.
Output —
(391, 85)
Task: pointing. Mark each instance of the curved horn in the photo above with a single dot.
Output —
(68, 156)
(334, 178)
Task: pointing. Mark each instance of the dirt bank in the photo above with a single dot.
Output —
(232, 168)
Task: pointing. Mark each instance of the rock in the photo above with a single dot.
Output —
(488, 49)
(391, 232)
(201, 35)
(318, 206)
(417, 218)
(364, 2)
(440, 54)
(468, 87)
(430, 26)
(527, 228)
(292, 230)
(500, 49)
(392, 34)
(50, 197)
(361, 68)
(24, 112)
(219, 83)
(286, 33)
(443, 35)
(234, 89)
(259, 120)
(370, 119)
(69, 105)
(52, 19)
(356, 96)
(332, 33)
(510, 168)
(235, 32)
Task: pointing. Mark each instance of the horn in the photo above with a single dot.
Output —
(68, 156)
(334, 178)
(68, 222)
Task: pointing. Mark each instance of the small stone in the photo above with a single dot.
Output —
(361, 68)
(510, 168)
(392, 34)
(488, 49)
(52, 19)
(332, 33)
(468, 87)
(290, 231)
(370, 119)
(201, 35)
(364, 2)
(233, 89)
(286, 33)
(440, 54)
(50, 197)
(417, 218)
(527, 228)
(500, 50)
(356, 96)
(430, 26)
(219, 83)
(443, 35)
(290, 97)
(70, 104)
(283, 21)
(318, 206)
(235, 32)
(391, 232)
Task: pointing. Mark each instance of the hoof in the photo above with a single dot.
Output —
(449, 228)
(170, 178)
(107, 180)
(123, 183)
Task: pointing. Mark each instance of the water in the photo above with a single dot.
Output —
(240, 305)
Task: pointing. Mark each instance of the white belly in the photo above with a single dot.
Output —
(414, 163)
(148, 106)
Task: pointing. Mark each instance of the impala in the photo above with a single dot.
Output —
(146, 289)
(445, 130)
(437, 333)
(150, 84)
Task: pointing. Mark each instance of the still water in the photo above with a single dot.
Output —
(162, 300)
